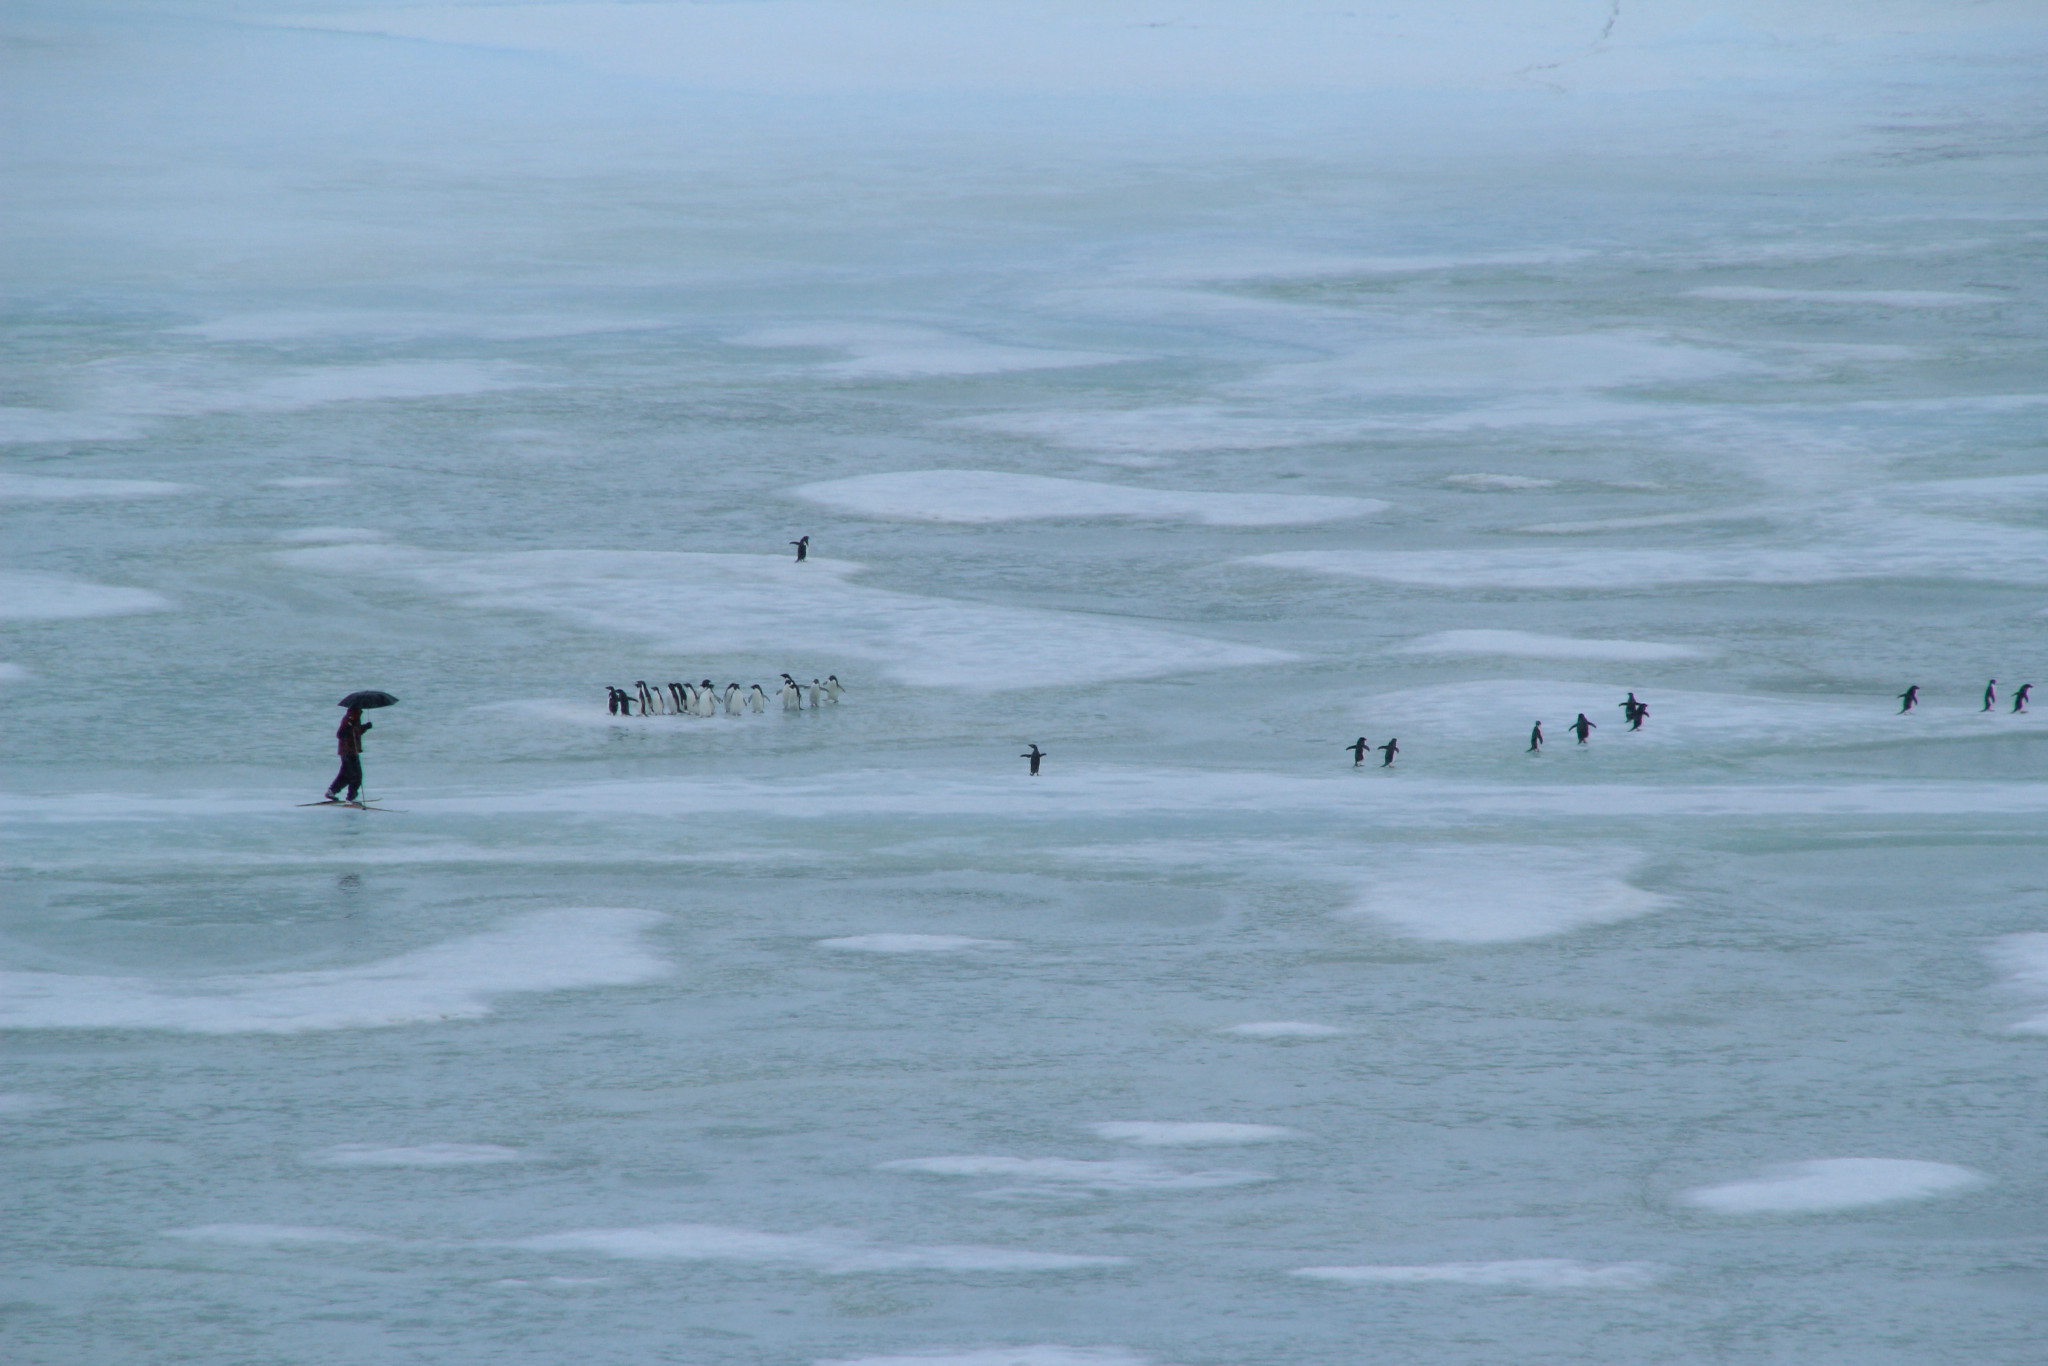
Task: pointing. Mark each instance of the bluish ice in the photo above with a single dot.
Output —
(1186, 388)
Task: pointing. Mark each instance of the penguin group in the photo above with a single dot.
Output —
(707, 699)
(1910, 698)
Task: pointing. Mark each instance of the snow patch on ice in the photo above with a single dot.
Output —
(983, 496)
(1833, 1183)
(834, 1254)
(1282, 1029)
(421, 1155)
(51, 597)
(1141, 432)
(12, 673)
(1889, 298)
(41, 488)
(1486, 894)
(905, 352)
(1038, 1354)
(29, 426)
(1187, 1133)
(695, 605)
(911, 943)
(1536, 1273)
(456, 980)
(308, 481)
(268, 1235)
(1078, 1173)
(1529, 645)
(329, 535)
(2025, 959)
(1499, 483)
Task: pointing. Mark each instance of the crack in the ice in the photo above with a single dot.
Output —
(1606, 32)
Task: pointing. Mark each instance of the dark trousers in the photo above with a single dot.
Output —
(351, 776)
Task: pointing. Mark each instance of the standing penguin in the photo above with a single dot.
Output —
(1990, 694)
(792, 700)
(833, 687)
(1358, 748)
(1642, 715)
(757, 701)
(1034, 756)
(1582, 727)
(612, 699)
(1909, 699)
(1390, 749)
(803, 548)
(2019, 699)
(817, 690)
(1536, 738)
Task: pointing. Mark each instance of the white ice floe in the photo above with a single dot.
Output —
(420, 1155)
(911, 943)
(1282, 1029)
(12, 673)
(2025, 959)
(52, 597)
(1887, 298)
(1833, 1183)
(1529, 645)
(693, 605)
(1485, 894)
(1037, 1354)
(41, 488)
(983, 496)
(1076, 1173)
(1136, 433)
(17, 1103)
(330, 535)
(268, 1235)
(1535, 1273)
(907, 352)
(307, 481)
(455, 980)
(1499, 483)
(835, 1254)
(1187, 1133)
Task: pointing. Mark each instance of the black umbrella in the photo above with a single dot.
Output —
(369, 698)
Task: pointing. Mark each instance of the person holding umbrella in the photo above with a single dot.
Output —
(348, 742)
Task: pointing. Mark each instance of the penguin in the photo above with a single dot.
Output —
(757, 701)
(2019, 699)
(792, 700)
(1642, 715)
(647, 704)
(1628, 709)
(732, 699)
(803, 548)
(833, 687)
(1390, 749)
(675, 691)
(1358, 748)
(1909, 699)
(611, 699)
(1582, 728)
(815, 689)
(1536, 738)
(1034, 756)
(707, 699)
(1990, 694)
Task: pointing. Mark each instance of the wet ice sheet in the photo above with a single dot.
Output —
(692, 605)
(1834, 1183)
(51, 597)
(2024, 957)
(1530, 645)
(981, 496)
(43, 488)
(545, 951)
(1487, 894)
(1538, 1273)
(420, 1155)
(1078, 1173)
(829, 1253)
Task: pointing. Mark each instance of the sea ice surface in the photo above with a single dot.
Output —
(419, 1155)
(1499, 483)
(911, 943)
(329, 535)
(41, 488)
(1037, 1354)
(1282, 1029)
(542, 951)
(834, 1254)
(50, 597)
(981, 496)
(1529, 645)
(1187, 1133)
(910, 352)
(1481, 894)
(1888, 298)
(1535, 1273)
(1833, 1183)
(692, 604)
(2025, 959)
(1082, 1174)
(268, 1235)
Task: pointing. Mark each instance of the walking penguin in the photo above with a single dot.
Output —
(1582, 728)
(1990, 694)
(1390, 749)
(2019, 699)
(1909, 699)
(1034, 756)
(1536, 738)
(1358, 748)
(803, 548)
(1642, 714)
